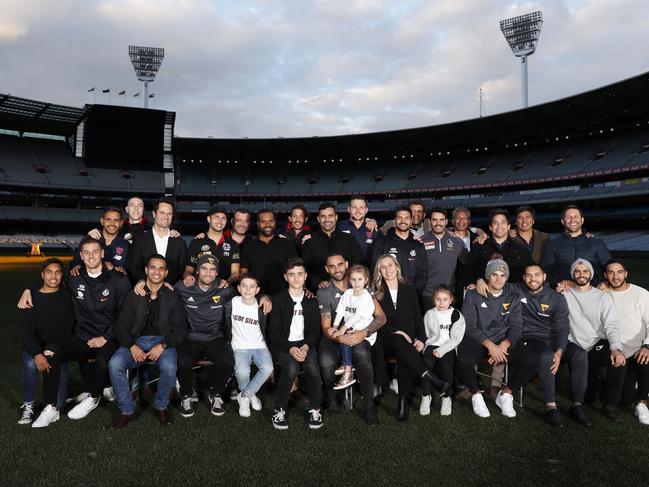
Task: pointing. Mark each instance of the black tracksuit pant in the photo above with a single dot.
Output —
(218, 351)
(75, 349)
(441, 367)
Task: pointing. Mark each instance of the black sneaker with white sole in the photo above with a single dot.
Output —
(279, 419)
(26, 413)
(217, 408)
(315, 419)
(187, 407)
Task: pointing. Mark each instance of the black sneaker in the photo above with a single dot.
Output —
(279, 419)
(315, 419)
(577, 412)
(186, 407)
(371, 418)
(553, 417)
(26, 413)
(611, 413)
(216, 405)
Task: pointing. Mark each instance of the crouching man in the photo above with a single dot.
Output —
(150, 327)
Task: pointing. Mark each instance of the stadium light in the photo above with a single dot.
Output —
(146, 62)
(522, 34)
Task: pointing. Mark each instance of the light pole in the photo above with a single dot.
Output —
(146, 62)
(522, 34)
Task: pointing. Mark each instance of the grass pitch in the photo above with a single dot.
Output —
(205, 450)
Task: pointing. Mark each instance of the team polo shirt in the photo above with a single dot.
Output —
(267, 261)
(226, 250)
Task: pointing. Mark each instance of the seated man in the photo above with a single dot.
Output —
(493, 325)
(150, 327)
(294, 332)
(205, 304)
(593, 343)
(49, 320)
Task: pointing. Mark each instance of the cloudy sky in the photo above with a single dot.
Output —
(301, 68)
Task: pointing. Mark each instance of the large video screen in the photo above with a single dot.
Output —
(124, 137)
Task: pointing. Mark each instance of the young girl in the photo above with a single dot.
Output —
(444, 328)
(356, 306)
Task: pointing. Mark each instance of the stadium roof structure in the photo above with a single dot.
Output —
(24, 115)
(621, 102)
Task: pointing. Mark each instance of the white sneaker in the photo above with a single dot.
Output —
(642, 412)
(394, 385)
(109, 394)
(447, 406)
(479, 407)
(82, 409)
(506, 404)
(48, 416)
(244, 405)
(424, 407)
(77, 399)
(255, 402)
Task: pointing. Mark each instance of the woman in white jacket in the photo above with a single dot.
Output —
(444, 326)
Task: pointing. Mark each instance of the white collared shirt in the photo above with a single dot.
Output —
(160, 242)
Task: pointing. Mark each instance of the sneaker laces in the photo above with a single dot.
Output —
(315, 414)
(279, 415)
(187, 402)
(217, 401)
(27, 410)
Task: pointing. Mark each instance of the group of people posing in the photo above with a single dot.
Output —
(414, 301)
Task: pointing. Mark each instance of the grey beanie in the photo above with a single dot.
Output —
(496, 265)
(206, 259)
(584, 262)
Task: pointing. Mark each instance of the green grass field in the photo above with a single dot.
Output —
(455, 450)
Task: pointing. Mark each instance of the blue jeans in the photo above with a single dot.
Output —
(122, 361)
(30, 381)
(242, 359)
(346, 354)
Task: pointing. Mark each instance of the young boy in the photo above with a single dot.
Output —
(294, 332)
(245, 327)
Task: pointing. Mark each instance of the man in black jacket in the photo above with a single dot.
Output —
(97, 298)
(150, 327)
(158, 240)
(327, 240)
(410, 253)
(498, 245)
(294, 333)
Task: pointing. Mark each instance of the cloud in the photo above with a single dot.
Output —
(302, 68)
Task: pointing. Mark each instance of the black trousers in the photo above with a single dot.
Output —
(288, 370)
(527, 359)
(74, 349)
(217, 351)
(639, 373)
(409, 363)
(469, 353)
(586, 368)
(329, 357)
(441, 367)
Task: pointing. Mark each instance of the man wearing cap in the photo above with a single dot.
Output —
(493, 325)
(632, 306)
(205, 306)
(215, 243)
(593, 343)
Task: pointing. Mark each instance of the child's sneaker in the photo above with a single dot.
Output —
(255, 402)
(315, 419)
(340, 370)
(26, 413)
(424, 407)
(279, 419)
(345, 381)
(244, 405)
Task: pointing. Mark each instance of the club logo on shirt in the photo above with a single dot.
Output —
(235, 255)
(128, 236)
(413, 253)
(429, 245)
(190, 300)
(449, 244)
(393, 250)
(216, 299)
(119, 250)
(545, 307)
(226, 247)
(506, 306)
(105, 292)
(81, 287)
(79, 295)
(483, 305)
(205, 248)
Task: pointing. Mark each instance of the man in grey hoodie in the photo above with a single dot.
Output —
(593, 342)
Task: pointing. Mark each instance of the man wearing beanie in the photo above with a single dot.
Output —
(493, 325)
(593, 342)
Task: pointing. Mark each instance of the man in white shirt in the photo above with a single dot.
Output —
(632, 306)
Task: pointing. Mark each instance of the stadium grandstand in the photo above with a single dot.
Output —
(60, 165)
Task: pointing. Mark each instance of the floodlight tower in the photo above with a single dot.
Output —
(522, 34)
(146, 62)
